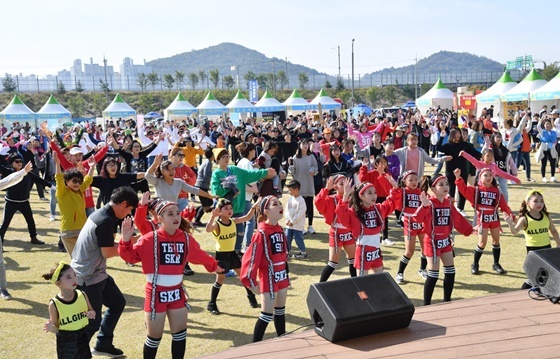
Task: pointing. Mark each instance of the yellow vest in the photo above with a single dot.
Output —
(225, 236)
(72, 315)
(536, 232)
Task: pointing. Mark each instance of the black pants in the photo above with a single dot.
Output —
(548, 157)
(310, 212)
(40, 187)
(452, 187)
(10, 208)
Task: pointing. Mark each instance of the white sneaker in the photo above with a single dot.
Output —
(544, 179)
(399, 278)
(52, 219)
(311, 230)
(388, 242)
(304, 231)
(423, 273)
(553, 179)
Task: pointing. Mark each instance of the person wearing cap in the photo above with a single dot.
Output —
(556, 122)
(242, 177)
(136, 159)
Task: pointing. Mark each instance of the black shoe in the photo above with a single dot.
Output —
(474, 268)
(199, 224)
(253, 301)
(213, 308)
(110, 352)
(34, 240)
(276, 192)
(188, 271)
(496, 267)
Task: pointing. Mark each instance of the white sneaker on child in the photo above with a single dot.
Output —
(311, 230)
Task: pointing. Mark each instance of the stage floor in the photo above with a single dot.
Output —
(507, 325)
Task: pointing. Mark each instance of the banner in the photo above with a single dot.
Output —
(467, 102)
(253, 91)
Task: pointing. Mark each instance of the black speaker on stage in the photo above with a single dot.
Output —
(353, 307)
(543, 270)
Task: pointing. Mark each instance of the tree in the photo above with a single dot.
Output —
(262, 80)
(9, 84)
(179, 79)
(215, 77)
(390, 94)
(303, 80)
(153, 80)
(282, 79)
(249, 75)
(79, 87)
(202, 77)
(550, 71)
(374, 95)
(328, 84)
(104, 86)
(228, 82)
(60, 88)
(76, 105)
(193, 79)
(98, 104)
(271, 81)
(339, 84)
(142, 81)
(168, 81)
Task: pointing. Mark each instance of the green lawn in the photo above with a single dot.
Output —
(21, 319)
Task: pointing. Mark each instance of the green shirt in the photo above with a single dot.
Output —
(243, 178)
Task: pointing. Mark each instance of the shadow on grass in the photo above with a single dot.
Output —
(26, 246)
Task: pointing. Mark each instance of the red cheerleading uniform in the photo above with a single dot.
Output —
(145, 225)
(440, 218)
(409, 207)
(486, 201)
(339, 235)
(162, 254)
(266, 257)
(382, 185)
(366, 230)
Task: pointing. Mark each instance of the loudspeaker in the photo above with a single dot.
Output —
(353, 307)
(543, 270)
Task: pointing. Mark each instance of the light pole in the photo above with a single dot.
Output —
(352, 73)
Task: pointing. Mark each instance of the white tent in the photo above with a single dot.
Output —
(17, 111)
(297, 103)
(547, 95)
(267, 103)
(239, 104)
(52, 115)
(211, 107)
(492, 95)
(439, 95)
(326, 102)
(179, 108)
(521, 92)
(118, 109)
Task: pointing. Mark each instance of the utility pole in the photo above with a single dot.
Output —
(339, 62)
(352, 72)
(273, 76)
(106, 83)
(415, 77)
(287, 76)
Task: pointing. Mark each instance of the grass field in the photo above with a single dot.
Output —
(22, 318)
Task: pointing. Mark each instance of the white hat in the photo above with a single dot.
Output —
(555, 112)
(76, 151)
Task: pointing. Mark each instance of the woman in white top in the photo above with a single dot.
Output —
(248, 152)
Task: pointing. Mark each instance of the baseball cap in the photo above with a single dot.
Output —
(76, 151)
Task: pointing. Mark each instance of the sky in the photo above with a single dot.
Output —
(42, 37)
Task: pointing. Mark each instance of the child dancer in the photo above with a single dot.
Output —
(339, 236)
(265, 259)
(163, 254)
(366, 218)
(486, 198)
(222, 226)
(440, 217)
(69, 313)
(409, 207)
(536, 225)
(295, 219)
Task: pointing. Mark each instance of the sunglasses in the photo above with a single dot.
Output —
(18, 161)
(77, 180)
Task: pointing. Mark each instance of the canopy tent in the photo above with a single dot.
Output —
(327, 103)
(210, 106)
(547, 95)
(118, 109)
(409, 104)
(239, 104)
(492, 95)
(179, 108)
(439, 95)
(17, 111)
(53, 114)
(267, 103)
(361, 109)
(521, 92)
(297, 103)
(151, 115)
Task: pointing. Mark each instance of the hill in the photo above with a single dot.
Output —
(223, 57)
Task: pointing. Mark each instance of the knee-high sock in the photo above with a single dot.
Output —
(178, 344)
(215, 291)
(150, 347)
(477, 254)
(327, 271)
(423, 262)
(429, 286)
(280, 320)
(351, 267)
(403, 263)
(448, 282)
(260, 326)
(496, 251)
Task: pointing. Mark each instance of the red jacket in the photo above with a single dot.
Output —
(440, 218)
(326, 204)
(173, 252)
(382, 185)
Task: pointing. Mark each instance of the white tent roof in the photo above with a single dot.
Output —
(239, 104)
(53, 110)
(327, 103)
(296, 102)
(17, 110)
(521, 92)
(267, 103)
(118, 108)
(211, 106)
(550, 91)
(492, 94)
(439, 95)
(180, 107)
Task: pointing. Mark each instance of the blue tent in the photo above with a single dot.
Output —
(361, 108)
(409, 104)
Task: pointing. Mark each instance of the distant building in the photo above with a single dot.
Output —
(129, 73)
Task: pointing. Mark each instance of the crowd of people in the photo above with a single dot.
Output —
(356, 171)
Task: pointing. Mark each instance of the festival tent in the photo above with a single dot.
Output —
(17, 111)
(210, 106)
(361, 108)
(492, 95)
(179, 108)
(53, 114)
(267, 103)
(239, 104)
(297, 103)
(519, 95)
(547, 95)
(118, 109)
(326, 102)
(439, 95)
